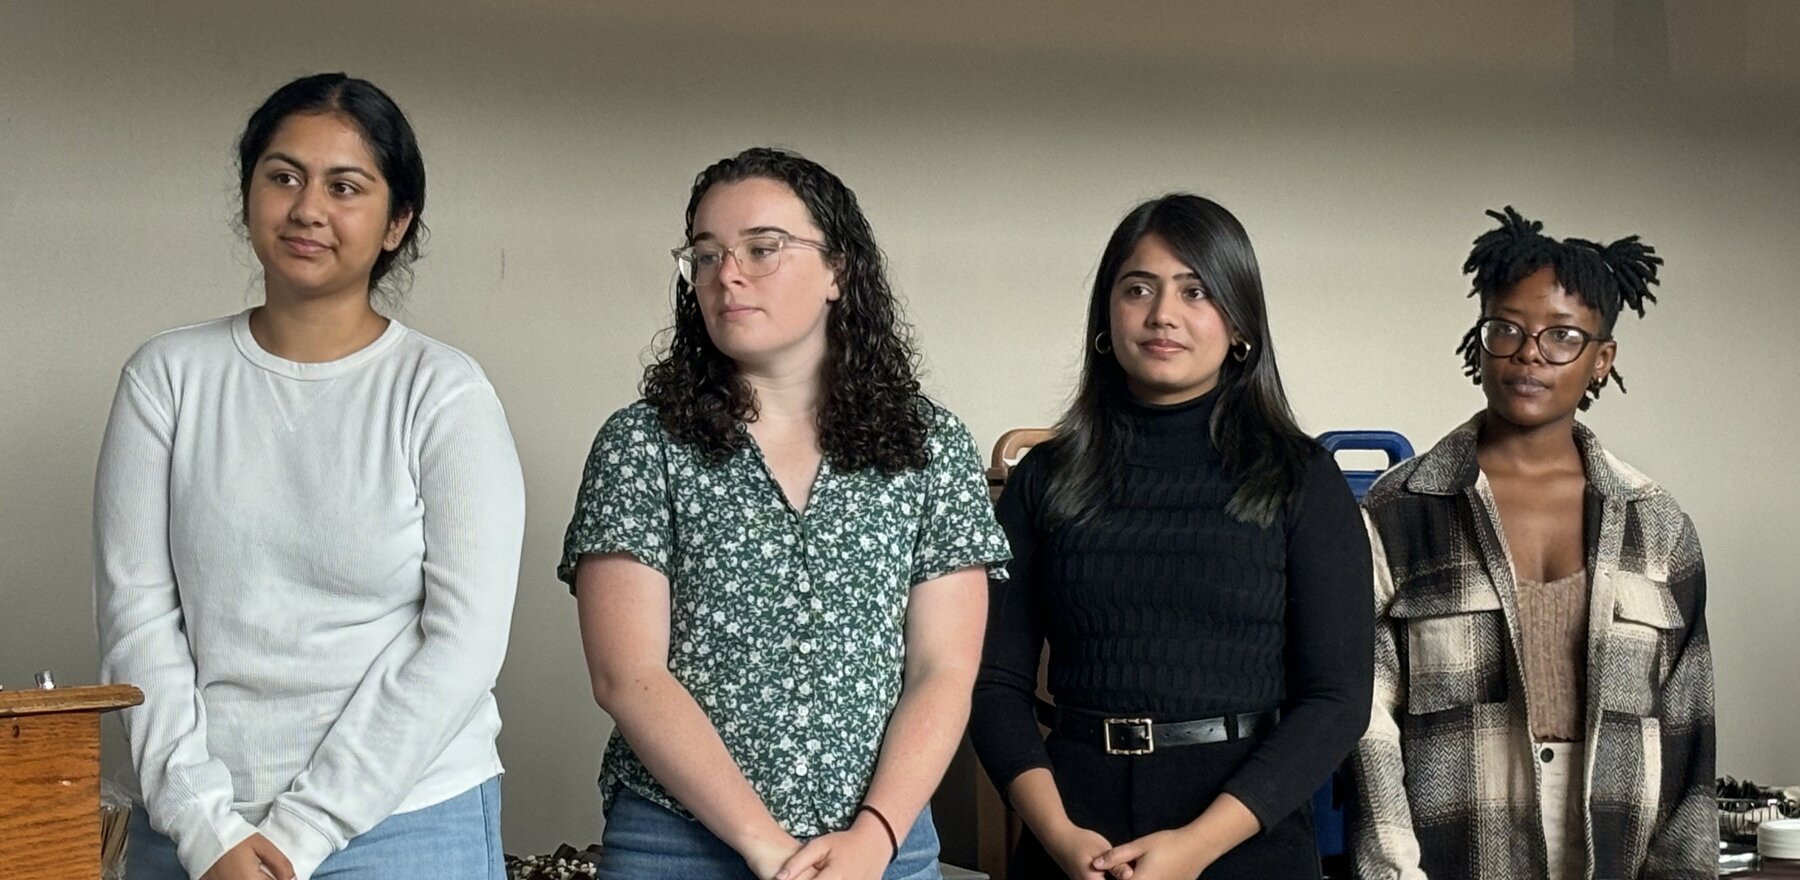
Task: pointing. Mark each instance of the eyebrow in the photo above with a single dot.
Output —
(1566, 317)
(1152, 276)
(336, 169)
(754, 230)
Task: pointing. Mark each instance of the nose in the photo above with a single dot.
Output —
(1530, 344)
(1162, 309)
(731, 274)
(308, 208)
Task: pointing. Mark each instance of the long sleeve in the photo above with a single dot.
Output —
(426, 685)
(1003, 723)
(1684, 843)
(143, 634)
(1382, 840)
(1327, 651)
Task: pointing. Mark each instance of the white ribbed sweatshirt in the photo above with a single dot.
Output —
(309, 569)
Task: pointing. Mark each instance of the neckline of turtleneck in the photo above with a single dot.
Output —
(1172, 434)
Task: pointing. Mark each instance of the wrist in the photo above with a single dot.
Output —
(865, 828)
(1199, 840)
(1057, 831)
(879, 827)
(761, 837)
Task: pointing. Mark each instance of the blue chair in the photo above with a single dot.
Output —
(1329, 819)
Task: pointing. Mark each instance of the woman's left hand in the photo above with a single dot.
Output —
(1176, 854)
(860, 852)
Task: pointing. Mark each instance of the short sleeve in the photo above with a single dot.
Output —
(623, 504)
(958, 529)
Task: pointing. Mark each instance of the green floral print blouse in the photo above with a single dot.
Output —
(788, 627)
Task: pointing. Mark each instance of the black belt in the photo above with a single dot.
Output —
(1141, 736)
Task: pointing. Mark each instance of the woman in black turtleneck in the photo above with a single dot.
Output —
(1201, 573)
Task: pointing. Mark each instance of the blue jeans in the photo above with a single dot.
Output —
(458, 839)
(643, 841)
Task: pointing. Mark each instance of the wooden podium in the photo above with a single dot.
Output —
(50, 779)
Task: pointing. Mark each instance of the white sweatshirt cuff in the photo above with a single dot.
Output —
(305, 846)
(201, 840)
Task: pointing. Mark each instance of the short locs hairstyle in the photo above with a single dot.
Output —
(1607, 278)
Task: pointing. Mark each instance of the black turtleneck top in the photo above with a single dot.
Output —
(1163, 605)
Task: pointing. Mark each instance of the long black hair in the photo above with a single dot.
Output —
(871, 414)
(1607, 278)
(389, 137)
(1252, 426)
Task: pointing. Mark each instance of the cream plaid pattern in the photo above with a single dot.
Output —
(1446, 775)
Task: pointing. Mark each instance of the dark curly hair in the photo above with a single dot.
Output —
(871, 414)
(1607, 278)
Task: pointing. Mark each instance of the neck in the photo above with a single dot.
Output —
(1509, 447)
(315, 330)
(784, 395)
(1167, 396)
(787, 383)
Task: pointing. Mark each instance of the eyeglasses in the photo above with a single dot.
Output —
(756, 256)
(1559, 345)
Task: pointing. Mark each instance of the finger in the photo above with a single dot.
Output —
(1121, 871)
(1125, 852)
(807, 857)
(272, 856)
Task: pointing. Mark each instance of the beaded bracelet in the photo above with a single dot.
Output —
(885, 826)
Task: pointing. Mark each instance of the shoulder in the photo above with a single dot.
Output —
(631, 433)
(1390, 487)
(1325, 496)
(635, 422)
(1656, 513)
(942, 425)
(440, 366)
(947, 438)
(164, 351)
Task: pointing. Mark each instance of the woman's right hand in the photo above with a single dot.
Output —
(1074, 849)
(253, 859)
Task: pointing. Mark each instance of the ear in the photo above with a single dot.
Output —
(396, 230)
(838, 266)
(1603, 359)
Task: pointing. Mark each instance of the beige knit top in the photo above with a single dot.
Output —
(1553, 626)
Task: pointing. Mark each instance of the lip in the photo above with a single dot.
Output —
(304, 247)
(732, 312)
(1525, 386)
(1161, 347)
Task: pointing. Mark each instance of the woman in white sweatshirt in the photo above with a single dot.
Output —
(307, 522)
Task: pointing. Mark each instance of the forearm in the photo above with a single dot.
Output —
(1039, 803)
(1224, 824)
(922, 736)
(1003, 723)
(677, 743)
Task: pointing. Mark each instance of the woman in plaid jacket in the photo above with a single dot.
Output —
(1544, 690)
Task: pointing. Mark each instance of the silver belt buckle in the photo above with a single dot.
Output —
(1149, 735)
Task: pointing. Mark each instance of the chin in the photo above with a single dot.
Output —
(1527, 417)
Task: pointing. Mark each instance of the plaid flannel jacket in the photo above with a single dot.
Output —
(1445, 776)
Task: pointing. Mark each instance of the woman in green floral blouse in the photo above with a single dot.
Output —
(779, 556)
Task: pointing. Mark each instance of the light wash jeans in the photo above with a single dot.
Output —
(643, 841)
(458, 839)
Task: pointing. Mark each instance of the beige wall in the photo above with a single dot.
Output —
(993, 150)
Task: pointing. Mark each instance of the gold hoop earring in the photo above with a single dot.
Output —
(1243, 354)
(1101, 337)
